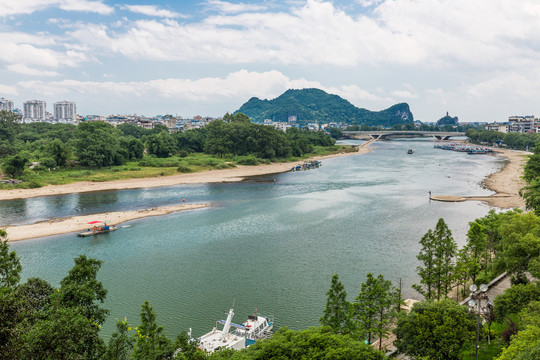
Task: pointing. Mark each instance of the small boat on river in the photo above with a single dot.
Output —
(100, 227)
(410, 151)
(255, 328)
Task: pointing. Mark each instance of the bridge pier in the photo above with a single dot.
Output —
(439, 137)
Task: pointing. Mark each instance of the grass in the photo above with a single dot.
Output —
(154, 167)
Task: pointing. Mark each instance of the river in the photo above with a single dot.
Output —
(271, 243)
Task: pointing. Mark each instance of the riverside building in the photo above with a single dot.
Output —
(65, 112)
(6, 104)
(34, 110)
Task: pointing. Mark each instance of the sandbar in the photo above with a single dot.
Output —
(506, 183)
(236, 174)
(80, 223)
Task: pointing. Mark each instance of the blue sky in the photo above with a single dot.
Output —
(478, 60)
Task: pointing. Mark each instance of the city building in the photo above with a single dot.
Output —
(522, 124)
(65, 112)
(6, 104)
(34, 110)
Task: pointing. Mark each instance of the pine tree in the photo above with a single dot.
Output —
(438, 258)
(337, 311)
(10, 267)
(374, 307)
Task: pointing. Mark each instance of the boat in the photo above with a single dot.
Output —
(100, 227)
(410, 151)
(255, 328)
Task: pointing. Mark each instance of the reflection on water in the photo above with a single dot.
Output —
(270, 245)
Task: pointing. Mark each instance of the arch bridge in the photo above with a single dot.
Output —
(439, 135)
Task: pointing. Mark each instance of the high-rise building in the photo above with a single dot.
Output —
(65, 111)
(34, 110)
(6, 104)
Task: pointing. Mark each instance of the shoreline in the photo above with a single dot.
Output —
(506, 183)
(80, 223)
(236, 174)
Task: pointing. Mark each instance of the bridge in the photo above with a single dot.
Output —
(439, 135)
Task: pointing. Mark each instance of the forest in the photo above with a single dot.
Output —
(41, 153)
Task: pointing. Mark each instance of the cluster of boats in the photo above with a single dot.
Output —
(256, 327)
(468, 148)
(307, 165)
(99, 227)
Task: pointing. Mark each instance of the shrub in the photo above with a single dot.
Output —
(248, 160)
(33, 184)
(183, 153)
(184, 169)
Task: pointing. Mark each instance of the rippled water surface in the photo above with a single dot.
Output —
(271, 244)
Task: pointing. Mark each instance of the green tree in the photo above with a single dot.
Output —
(525, 345)
(120, 344)
(312, 343)
(10, 266)
(161, 144)
(14, 165)
(435, 330)
(151, 342)
(374, 308)
(336, 314)
(438, 257)
(59, 151)
(81, 289)
(9, 125)
(514, 299)
(97, 145)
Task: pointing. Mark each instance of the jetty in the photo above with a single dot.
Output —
(307, 165)
(460, 147)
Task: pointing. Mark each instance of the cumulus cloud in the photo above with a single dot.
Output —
(17, 7)
(27, 70)
(239, 85)
(152, 10)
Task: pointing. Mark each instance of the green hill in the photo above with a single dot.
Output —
(314, 105)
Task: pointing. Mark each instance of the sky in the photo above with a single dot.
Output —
(478, 60)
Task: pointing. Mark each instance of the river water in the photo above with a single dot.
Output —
(271, 243)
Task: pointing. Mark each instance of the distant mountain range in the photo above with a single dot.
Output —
(314, 105)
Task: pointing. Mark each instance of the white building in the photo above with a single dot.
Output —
(500, 127)
(6, 104)
(522, 124)
(34, 110)
(65, 111)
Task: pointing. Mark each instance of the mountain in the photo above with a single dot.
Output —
(448, 120)
(314, 105)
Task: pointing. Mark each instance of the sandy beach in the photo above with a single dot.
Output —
(506, 184)
(80, 223)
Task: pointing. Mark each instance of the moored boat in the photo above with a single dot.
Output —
(100, 227)
(255, 328)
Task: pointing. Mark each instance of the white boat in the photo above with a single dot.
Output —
(255, 328)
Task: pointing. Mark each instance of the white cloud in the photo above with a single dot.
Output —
(7, 90)
(228, 7)
(151, 10)
(17, 7)
(238, 86)
(404, 94)
(27, 70)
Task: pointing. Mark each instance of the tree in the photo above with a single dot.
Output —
(437, 255)
(435, 330)
(10, 266)
(59, 151)
(14, 165)
(81, 289)
(97, 145)
(336, 314)
(151, 343)
(312, 343)
(120, 343)
(373, 308)
(514, 299)
(161, 144)
(9, 125)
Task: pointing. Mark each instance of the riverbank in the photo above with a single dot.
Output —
(236, 174)
(506, 183)
(80, 223)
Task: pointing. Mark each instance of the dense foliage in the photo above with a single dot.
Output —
(314, 105)
(512, 140)
(435, 330)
